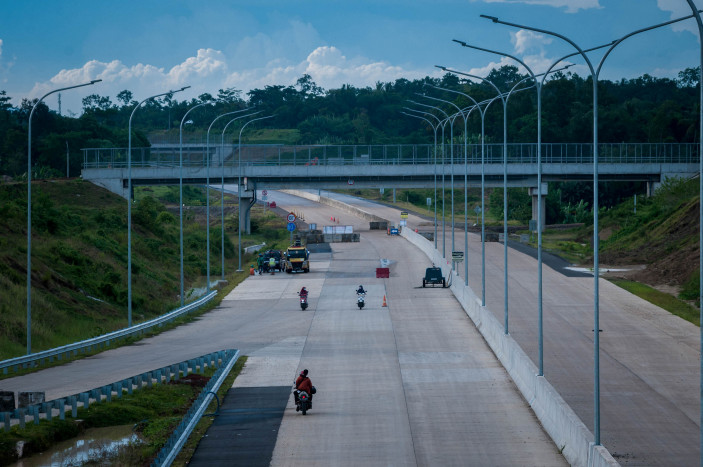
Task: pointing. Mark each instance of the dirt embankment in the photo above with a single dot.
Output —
(668, 261)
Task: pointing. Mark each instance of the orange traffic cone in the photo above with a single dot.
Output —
(384, 301)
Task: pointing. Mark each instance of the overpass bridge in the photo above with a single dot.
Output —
(257, 167)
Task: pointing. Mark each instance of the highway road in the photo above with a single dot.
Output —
(649, 359)
(412, 383)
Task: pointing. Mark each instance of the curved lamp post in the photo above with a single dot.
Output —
(435, 128)
(482, 112)
(446, 120)
(451, 151)
(180, 191)
(441, 123)
(222, 191)
(594, 74)
(538, 86)
(207, 192)
(29, 207)
(129, 201)
(504, 98)
(239, 183)
(699, 23)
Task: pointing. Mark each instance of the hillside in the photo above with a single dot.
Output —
(79, 262)
(662, 236)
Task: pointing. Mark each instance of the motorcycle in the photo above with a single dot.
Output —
(303, 302)
(360, 300)
(303, 402)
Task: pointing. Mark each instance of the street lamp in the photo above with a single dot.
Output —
(435, 128)
(180, 191)
(207, 192)
(239, 184)
(594, 74)
(29, 208)
(222, 190)
(699, 23)
(129, 202)
(446, 120)
(538, 85)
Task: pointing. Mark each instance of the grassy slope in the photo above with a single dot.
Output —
(79, 259)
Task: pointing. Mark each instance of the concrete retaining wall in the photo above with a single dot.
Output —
(558, 419)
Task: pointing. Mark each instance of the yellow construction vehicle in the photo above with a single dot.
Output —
(296, 258)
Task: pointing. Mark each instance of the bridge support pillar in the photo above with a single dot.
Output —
(533, 194)
(246, 200)
(651, 187)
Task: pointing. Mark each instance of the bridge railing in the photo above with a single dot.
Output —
(196, 155)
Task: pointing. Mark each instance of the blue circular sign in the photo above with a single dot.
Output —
(291, 226)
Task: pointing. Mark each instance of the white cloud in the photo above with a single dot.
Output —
(209, 71)
(572, 6)
(679, 9)
(524, 41)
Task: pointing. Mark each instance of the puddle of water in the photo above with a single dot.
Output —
(94, 444)
(601, 271)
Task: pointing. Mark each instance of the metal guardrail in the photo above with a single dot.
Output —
(106, 392)
(397, 154)
(179, 437)
(40, 358)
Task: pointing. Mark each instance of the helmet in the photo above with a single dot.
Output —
(304, 372)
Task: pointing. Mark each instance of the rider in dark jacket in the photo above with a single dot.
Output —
(303, 383)
(360, 290)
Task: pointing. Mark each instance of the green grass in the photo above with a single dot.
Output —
(79, 260)
(154, 411)
(663, 300)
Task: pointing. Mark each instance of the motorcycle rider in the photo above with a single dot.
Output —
(303, 293)
(360, 290)
(303, 383)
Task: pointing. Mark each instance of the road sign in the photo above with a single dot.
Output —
(264, 197)
(429, 201)
(291, 217)
(457, 256)
(290, 226)
(264, 192)
(403, 215)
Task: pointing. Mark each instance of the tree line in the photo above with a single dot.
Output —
(644, 109)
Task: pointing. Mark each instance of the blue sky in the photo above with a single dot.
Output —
(151, 46)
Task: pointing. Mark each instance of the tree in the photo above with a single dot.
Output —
(229, 96)
(125, 97)
(307, 87)
(95, 102)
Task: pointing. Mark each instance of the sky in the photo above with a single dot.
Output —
(153, 46)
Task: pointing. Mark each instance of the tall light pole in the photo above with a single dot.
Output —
(505, 97)
(451, 153)
(129, 201)
(446, 120)
(207, 191)
(442, 124)
(180, 192)
(239, 184)
(538, 86)
(699, 23)
(222, 190)
(466, 190)
(596, 241)
(29, 208)
(435, 128)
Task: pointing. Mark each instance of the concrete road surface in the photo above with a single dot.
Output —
(412, 383)
(649, 358)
